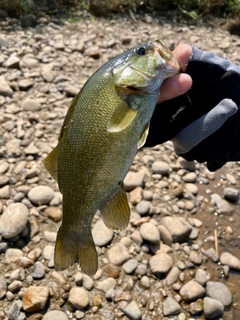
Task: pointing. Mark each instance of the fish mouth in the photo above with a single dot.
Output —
(165, 54)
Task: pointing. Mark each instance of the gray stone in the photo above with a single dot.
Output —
(192, 290)
(220, 292)
(165, 235)
(178, 230)
(230, 260)
(222, 205)
(231, 194)
(37, 271)
(5, 89)
(150, 232)
(171, 307)
(40, 195)
(3, 287)
(201, 277)
(130, 266)
(13, 220)
(160, 167)
(118, 254)
(14, 310)
(106, 284)
(212, 308)
(24, 85)
(143, 207)
(132, 311)
(160, 264)
(134, 180)
(101, 234)
(172, 276)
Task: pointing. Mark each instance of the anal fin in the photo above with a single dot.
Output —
(116, 212)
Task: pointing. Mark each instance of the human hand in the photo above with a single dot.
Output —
(204, 124)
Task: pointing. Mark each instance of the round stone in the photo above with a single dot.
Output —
(13, 220)
(78, 297)
(101, 234)
(41, 195)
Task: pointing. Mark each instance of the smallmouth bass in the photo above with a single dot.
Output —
(107, 122)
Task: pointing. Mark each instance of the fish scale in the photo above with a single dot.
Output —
(105, 125)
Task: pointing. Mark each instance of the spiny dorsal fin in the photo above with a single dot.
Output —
(50, 163)
(116, 212)
(121, 118)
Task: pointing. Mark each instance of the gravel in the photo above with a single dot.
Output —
(166, 263)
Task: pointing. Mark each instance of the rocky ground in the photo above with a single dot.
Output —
(178, 258)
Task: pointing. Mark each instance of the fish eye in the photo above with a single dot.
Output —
(141, 51)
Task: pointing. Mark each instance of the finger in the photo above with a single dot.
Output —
(174, 87)
(182, 53)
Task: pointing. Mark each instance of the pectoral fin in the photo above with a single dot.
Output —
(121, 118)
(50, 163)
(143, 138)
(116, 213)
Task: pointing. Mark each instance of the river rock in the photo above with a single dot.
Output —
(171, 307)
(160, 264)
(220, 292)
(78, 297)
(160, 167)
(230, 260)
(101, 234)
(55, 315)
(118, 254)
(132, 311)
(192, 290)
(231, 194)
(178, 230)
(134, 180)
(41, 195)
(35, 298)
(150, 232)
(13, 220)
(222, 205)
(5, 89)
(212, 308)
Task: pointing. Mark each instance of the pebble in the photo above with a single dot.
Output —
(134, 180)
(3, 287)
(160, 167)
(212, 308)
(14, 310)
(5, 89)
(171, 307)
(230, 260)
(160, 264)
(132, 311)
(41, 195)
(222, 205)
(54, 213)
(143, 207)
(37, 271)
(12, 255)
(165, 235)
(231, 194)
(178, 230)
(220, 292)
(195, 258)
(106, 284)
(118, 254)
(150, 232)
(192, 290)
(13, 220)
(55, 315)
(201, 277)
(172, 276)
(35, 298)
(101, 234)
(78, 297)
(130, 266)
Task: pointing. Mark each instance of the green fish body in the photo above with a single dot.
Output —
(106, 124)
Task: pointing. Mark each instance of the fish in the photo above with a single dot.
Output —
(106, 123)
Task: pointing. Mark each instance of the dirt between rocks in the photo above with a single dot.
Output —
(191, 271)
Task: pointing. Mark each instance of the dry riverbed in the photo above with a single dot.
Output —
(179, 256)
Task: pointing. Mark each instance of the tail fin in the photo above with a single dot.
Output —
(72, 249)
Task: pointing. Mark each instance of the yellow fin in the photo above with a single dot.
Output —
(143, 138)
(116, 212)
(50, 163)
(70, 249)
(121, 118)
